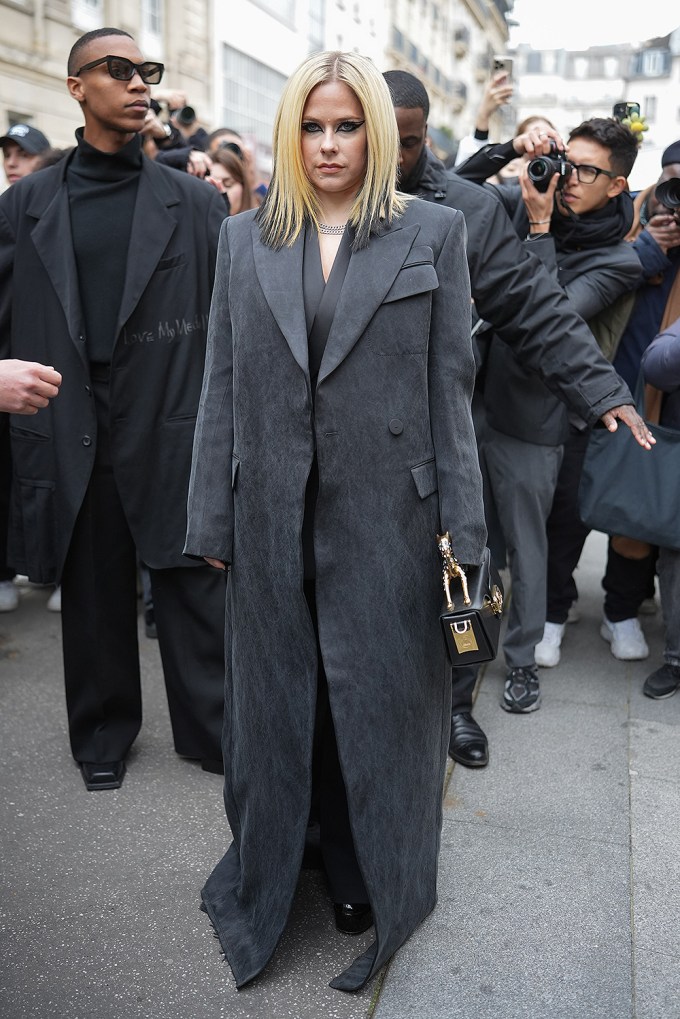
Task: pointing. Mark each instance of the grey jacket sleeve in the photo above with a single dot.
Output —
(210, 508)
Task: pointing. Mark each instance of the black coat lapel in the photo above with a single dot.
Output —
(280, 276)
(152, 228)
(53, 242)
(371, 273)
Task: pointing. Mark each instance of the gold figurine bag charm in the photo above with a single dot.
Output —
(473, 604)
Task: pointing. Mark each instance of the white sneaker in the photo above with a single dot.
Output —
(547, 651)
(626, 639)
(9, 596)
(54, 601)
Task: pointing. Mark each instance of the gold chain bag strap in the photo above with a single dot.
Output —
(473, 605)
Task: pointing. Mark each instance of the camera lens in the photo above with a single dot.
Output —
(539, 169)
(186, 116)
(668, 193)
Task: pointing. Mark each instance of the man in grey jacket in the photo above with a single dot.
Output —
(528, 310)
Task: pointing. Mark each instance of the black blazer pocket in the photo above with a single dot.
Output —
(425, 478)
(28, 434)
(171, 262)
(416, 276)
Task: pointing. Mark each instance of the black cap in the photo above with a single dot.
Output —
(671, 154)
(28, 138)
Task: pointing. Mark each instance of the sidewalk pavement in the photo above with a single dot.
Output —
(559, 892)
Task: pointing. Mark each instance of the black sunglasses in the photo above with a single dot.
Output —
(123, 69)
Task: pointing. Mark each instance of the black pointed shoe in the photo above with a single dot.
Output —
(352, 917)
(468, 744)
(105, 775)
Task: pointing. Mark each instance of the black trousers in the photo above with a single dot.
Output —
(627, 582)
(566, 532)
(99, 630)
(463, 687)
(6, 571)
(329, 796)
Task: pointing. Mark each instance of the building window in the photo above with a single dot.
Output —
(534, 62)
(250, 95)
(316, 32)
(650, 108)
(87, 14)
(397, 40)
(650, 63)
(653, 63)
(283, 10)
(151, 35)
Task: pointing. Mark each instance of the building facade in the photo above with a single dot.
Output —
(232, 59)
(568, 87)
(37, 36)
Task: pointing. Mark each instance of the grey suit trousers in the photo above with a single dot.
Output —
(522, 477)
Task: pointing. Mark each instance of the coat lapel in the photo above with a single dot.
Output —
(54, 221)
(280, 276)
(370, 275)
(152, 228)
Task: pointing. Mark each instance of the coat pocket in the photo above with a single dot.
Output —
(171, 263)
(425, 478)
(28, 434)
(235, 464)
(416, 276)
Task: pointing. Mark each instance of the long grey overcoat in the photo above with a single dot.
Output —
(397, 463)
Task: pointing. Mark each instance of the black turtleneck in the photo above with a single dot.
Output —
(102, 190)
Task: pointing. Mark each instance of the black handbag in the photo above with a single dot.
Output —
(473, 605)
(632, 491)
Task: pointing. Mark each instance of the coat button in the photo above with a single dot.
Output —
(396, 426)
(86, 440)
(81, 337)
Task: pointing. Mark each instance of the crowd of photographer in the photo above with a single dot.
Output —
(618, 261)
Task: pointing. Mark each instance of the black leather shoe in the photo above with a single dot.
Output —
(107, 775)
(150, 624)
(213, 765)
(353, 917)
(468, 744)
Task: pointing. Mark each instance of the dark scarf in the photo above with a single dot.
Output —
(601, 228)
(411, 185)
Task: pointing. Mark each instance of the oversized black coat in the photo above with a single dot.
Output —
(156, 366)
(397, 462)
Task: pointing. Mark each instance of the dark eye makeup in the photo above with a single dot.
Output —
(344, 127)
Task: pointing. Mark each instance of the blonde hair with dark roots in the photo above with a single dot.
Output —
(291, 199)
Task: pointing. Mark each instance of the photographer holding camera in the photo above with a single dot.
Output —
(572, 209)
(626, 329)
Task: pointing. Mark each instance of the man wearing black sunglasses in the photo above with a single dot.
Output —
(113, 261)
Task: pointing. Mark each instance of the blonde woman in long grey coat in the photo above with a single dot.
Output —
(334, 441)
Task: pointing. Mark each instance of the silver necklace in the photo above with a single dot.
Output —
(333, 231)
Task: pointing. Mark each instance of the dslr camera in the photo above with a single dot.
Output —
(542, 168)
(668, 193)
